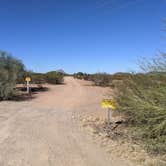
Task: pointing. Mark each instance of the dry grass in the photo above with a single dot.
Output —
(119, 143)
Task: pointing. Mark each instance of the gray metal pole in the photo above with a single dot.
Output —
(28, 87)
(108, 118)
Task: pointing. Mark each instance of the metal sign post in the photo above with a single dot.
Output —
(110, 105)
(28, 79)
(28, 87)
(108, 118)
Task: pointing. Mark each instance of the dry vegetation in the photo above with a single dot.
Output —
(141, 100)
(12, 72)
(140, 97)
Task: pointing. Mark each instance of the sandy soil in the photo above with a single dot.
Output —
(44, 131)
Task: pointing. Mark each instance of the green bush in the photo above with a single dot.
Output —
(142, 97)
(21, 79)
(81, 75)
(78, 75)
(10, 70)
(54, 77)
(38, 78)
(101, 79)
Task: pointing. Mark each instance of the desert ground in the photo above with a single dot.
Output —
(44, 131)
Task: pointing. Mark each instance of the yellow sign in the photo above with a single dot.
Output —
(28, 79)
(108, 103)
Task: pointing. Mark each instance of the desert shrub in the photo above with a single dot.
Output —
(54, 77)
(120, 76)
(21, 79)
(10, 70)
(81, 75)
(101, 79)
(87, 77)
(157, 64)
(78, 75)
(38, 78)
(142, 97)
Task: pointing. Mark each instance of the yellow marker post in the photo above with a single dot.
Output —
(28, 79)
(110, 105)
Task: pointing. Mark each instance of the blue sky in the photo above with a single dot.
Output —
(82, 35)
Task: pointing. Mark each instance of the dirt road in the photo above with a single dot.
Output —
(42, 131)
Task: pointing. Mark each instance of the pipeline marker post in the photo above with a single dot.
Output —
(28, 79)
(108, 118)
(109, 104)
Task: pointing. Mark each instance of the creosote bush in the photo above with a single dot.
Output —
(81, 75)
(101, 79)
(142, 97)
(54, 77)
(10, 70)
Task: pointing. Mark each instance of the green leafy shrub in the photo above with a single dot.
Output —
(81, 75)
(21, 79)
(38, 78)
(78, 75)
(10, 70)
(142, 97)
(54, 77)
(101, 79)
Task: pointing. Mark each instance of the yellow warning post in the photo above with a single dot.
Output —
(28, 79)
(109, 103)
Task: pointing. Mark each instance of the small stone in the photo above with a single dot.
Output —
(84, 120)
